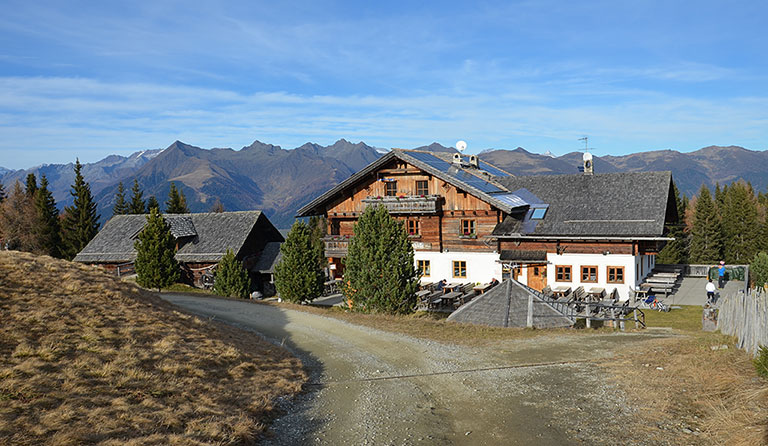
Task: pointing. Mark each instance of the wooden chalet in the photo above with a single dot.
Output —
(470, 221)
(202, 239)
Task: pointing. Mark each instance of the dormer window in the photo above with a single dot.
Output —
(538, 213)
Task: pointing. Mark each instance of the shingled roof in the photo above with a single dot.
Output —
(475, 181)
(627, 204)
(213, 233)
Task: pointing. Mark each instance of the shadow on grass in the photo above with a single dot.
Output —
(294, 424)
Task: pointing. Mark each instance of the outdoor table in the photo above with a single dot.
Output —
(448, 298)
(451, 287)
(596, 292)
(561, 291)
(422, 293)
(482, 288)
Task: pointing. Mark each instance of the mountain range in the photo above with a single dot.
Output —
(279, 181)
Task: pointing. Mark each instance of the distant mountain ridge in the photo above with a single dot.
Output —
(279, 181)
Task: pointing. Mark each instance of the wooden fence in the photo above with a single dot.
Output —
(745, 315)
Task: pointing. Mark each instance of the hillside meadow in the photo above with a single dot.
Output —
(87, 359)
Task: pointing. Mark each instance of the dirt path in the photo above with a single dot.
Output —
(373, 387)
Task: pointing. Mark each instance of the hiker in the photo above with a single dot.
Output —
(710, 292)
(721, 275)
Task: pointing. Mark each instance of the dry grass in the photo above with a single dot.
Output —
(86, 359)
(695, 383)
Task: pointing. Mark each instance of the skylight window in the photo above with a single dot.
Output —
(538, 213)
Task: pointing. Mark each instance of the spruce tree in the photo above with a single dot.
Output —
(17, 216)
(674, 252)
(319, 227)
(152, 203)
(47, 227)
(758, 270)
(81, 223)
(706, 242)
(136, 206)
(380, 275)
(741, 224)
(177, 202)
(2, 193)
(121, 206)
(31, 187)
(298, 276)
(155, 264)
(217, 207)
(231, 278)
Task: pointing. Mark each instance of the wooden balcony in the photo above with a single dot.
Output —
(336, 245)
(409, 204)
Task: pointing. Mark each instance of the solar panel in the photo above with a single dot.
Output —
(492, 170)
(511, 199)
(454, 171)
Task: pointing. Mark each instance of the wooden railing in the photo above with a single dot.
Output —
(409, 204)
(336, 245)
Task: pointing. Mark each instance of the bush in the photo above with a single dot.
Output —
(761, 362)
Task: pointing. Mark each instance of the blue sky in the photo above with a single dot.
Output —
(89, 79)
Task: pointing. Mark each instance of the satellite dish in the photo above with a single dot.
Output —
(587, 156)
(461, 146)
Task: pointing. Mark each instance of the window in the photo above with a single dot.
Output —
(460, 269)
(467, 227)
(413, 227)
(589, 273)
(615, 274)
(424, 268)
(391, 188)
(563, 273)
(422, 187)
(538, 213)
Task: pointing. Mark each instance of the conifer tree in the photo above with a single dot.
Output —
(675, 251)
(136, 206)
(31, 187)
(152, 203)
(81, 223)
(231, 278)
(177, 202)
(2, 193)
(217, 207)
(740, 224)
(121, 206)
(298, 277)
(47, 227)
(706, 242)
(758, 270)
(156, 266)
(319, 227)
(17, 216)
(380, 275)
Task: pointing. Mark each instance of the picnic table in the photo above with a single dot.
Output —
(447, 299)
(596, 292)
(561, 291)
(480, 289)
(422, 293)
(451, 287)
(661, 280)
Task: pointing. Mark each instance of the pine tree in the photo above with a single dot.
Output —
(741, 224)
(17, 216)
(380, 275)
(156, 266)
(758, 270)
(231, 278)
(121, 206)
(217, 207)
(675, 251)
(319, 227)
(2, 193)
(31, 188)
(152, 203)
(136, 206)
(81, 222)
(47, 227)
(706, 242)
(298, 277)
(177, 202)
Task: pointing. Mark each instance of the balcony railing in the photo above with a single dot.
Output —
(336, 245)
(409, 204)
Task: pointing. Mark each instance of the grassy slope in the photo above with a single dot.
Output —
(85, 358)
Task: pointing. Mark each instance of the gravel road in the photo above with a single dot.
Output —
(373, 387)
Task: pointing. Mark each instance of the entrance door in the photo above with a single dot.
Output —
(537, 276)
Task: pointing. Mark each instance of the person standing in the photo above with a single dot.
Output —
(721, 275)
(710, 292)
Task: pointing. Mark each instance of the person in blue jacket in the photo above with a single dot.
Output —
(721, 275)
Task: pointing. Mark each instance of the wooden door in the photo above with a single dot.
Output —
(537, 276)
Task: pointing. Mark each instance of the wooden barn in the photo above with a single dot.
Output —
(201, 241)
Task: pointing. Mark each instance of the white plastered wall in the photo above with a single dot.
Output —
(481, 266)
